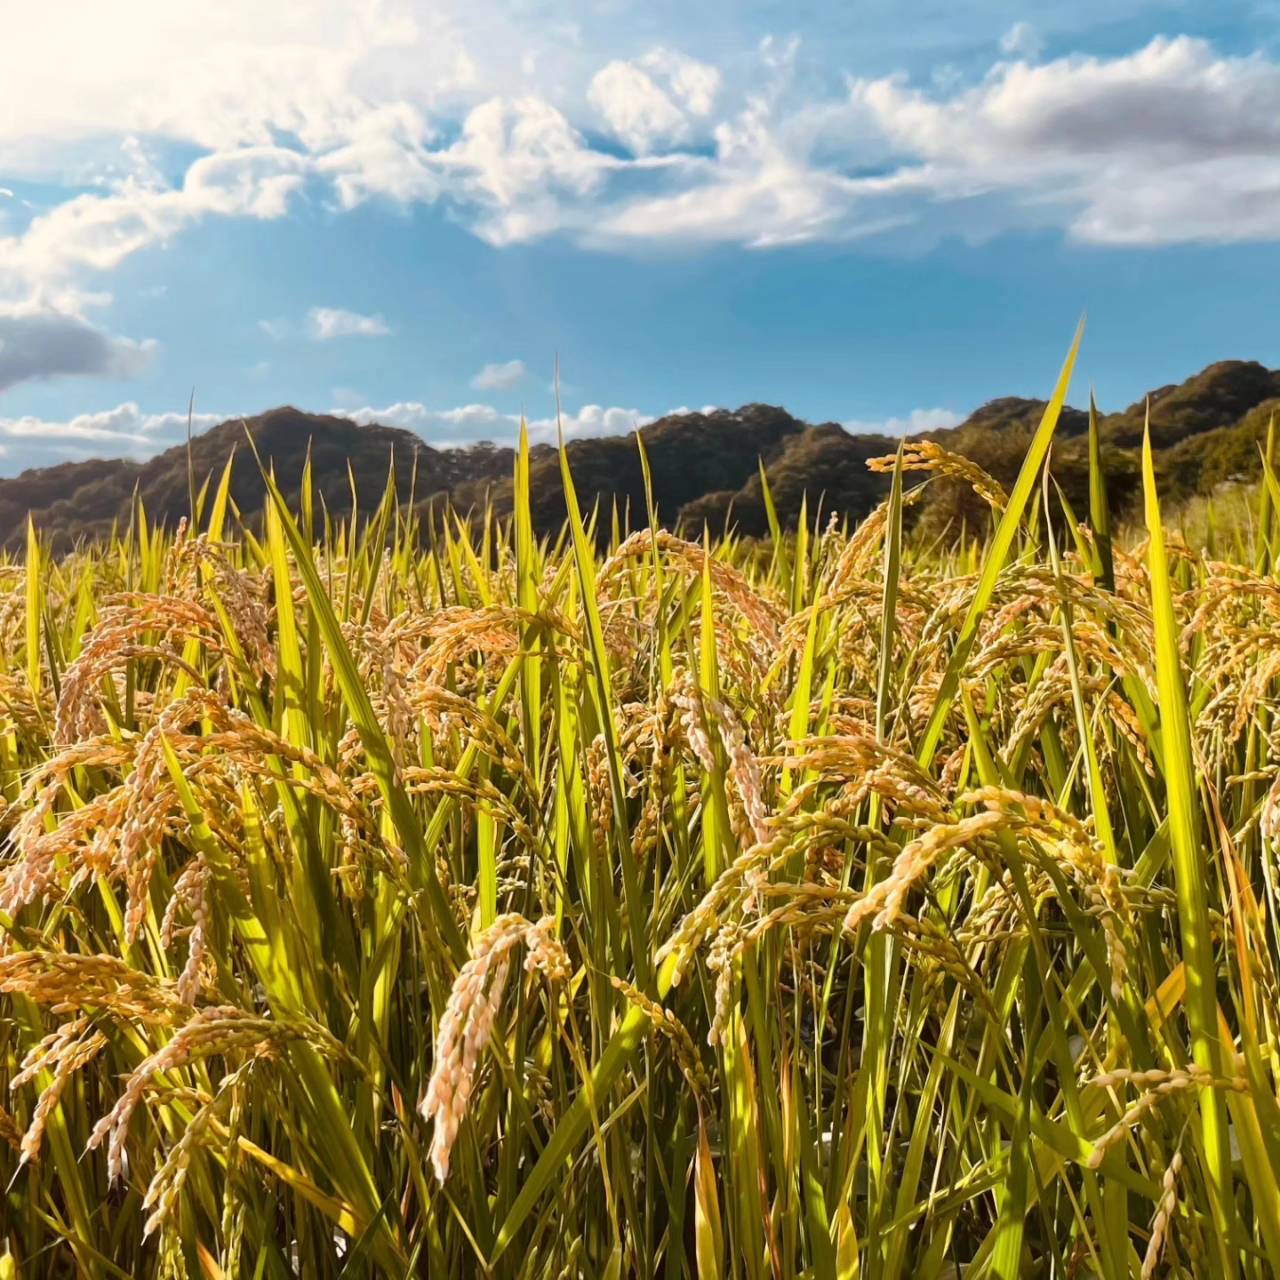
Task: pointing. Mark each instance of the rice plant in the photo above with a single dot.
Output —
(391, 901)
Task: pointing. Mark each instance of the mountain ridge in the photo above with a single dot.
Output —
(705, 466)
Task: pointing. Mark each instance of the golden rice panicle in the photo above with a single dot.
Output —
(665, 1021)
(883, 903)
(1155, 1085)
(67, 982)
(220, 1030)
(289, 810)
(926, 455)
(1163, 1219)
(73, 1046)
(469, 1017)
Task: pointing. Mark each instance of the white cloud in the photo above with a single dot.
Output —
(693, 84)
(647, 102)
(1022, 40)
(125, 431)
(47, 270)
(521, 169)
(916, 421)
(1174, 142)
(443, 428)
(499, 377)
(592, 420)
(94, 233)
(128, 431)
(326, 323)
(1171, 143)
(470, 423)
(635, 108)
(384, 152)
(125, 423)
(218, 80)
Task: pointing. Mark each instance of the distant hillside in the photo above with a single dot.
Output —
(1216, 397)
(705, 466)
(79, 499)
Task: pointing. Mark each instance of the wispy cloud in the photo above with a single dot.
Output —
(499, 377)
(1021, 41)
(912, 423)
(326, 323)
(471, 423)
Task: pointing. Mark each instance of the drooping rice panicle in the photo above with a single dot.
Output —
(837, 871)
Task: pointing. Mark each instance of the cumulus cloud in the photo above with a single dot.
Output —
(41, 344)
(592, 420)
(646, 103)
(914, 422)
(500, 376)
(326, 323)
(125, 423)
(693, 84)
(384, 152)
(521, 170)
(244, 75)
(128, 431)
(1173, 142)
(465, 424)
(635, 108)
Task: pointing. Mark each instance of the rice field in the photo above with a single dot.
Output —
(627, 905)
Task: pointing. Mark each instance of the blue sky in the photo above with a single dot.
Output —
(405, 210)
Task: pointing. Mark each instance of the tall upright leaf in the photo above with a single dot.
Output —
(996, 555)
(1099, 508)
(1189, 873)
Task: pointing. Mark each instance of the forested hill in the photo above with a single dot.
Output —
(705, 466)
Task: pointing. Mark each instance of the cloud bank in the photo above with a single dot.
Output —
(1173, 142)
(128, 431)
(524, 130)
